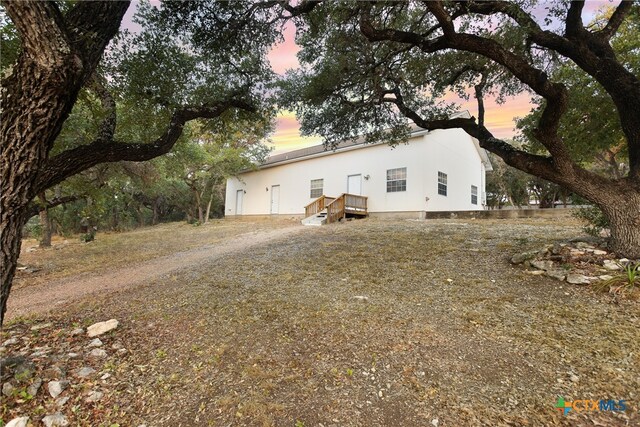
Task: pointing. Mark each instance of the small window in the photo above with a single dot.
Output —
(442, 183)
(396, 180)
(474, 195)
(316, 188)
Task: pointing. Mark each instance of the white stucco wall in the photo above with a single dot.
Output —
(449, 151)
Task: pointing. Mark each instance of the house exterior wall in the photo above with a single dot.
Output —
(449, 151)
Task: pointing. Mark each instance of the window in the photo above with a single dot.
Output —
(442, 183)
(316, 188)
(396, 180)
(474, 195)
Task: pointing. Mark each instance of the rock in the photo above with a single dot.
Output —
(98, 353)
(576, 252)
(8, 389)
(611, 265)
(605, 277)
(105, 376)
(34, 386)
(101, 328)
(535, 272)
(57, 387)
(117, 346)
(62, 400)
(41, 326)
(574, 378)
(577, 279)
(525, 256)
(77, 331)
(95, 343)
(72, 355)
(583, 245)
(55, 420)
(18, 422)
(599, 252)
(361, 298)
(623, 261)
(122, 351)
(542, 264)
(94, 396)
(556, 274)
(11, 341)
(85, 372)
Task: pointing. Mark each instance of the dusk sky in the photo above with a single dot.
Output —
(500, 119)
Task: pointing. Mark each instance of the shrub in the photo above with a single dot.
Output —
(596, 221)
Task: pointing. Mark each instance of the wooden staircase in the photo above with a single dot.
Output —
(331, 209)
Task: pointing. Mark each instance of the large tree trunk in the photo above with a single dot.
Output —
(45, 221)
(59, 53)
(623, 214)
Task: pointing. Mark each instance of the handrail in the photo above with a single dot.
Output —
(344, 203)
(317, 205)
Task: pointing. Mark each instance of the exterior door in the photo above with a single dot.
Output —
(239, 196)
(354, 184)
(275, 199)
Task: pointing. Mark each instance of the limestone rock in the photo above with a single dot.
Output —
(8, 389)
(85, 372)
(577, 279)
(95, 343)
(34, 386)
(55, 420)
(542, 264)
(94, 396)
(98, 353)
(611, 265)
(101, 328)
(18, 422)
(57, 387)
(77, 331)
(10, 341)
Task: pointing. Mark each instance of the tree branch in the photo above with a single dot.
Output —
(574, 27)
(71, 162)
(618, 17)
(41, 28)
(108, 126)
(35, 208)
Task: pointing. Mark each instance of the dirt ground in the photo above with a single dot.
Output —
(370, 322)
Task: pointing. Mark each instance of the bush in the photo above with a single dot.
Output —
(596, 221)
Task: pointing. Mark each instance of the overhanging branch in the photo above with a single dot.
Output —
(78, 159)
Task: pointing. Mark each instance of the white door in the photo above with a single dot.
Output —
(354, 184)
(239, 196)
(275, 199)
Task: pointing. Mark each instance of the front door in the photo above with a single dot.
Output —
(354, 184)
(275, 199)
(239, 196)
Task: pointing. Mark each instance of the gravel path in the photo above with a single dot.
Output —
(41, 299)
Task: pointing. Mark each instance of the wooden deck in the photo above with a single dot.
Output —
(338, 207)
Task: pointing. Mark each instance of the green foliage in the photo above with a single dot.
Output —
(627, 280)
(591, 126)
(595, 218)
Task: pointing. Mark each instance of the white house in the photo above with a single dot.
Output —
(441, 170)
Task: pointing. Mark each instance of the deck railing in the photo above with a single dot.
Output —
(317, 205)
(346, 203)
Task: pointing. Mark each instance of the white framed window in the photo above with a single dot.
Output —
(396, 180)
(442, 183)
(316, 188)
(474, 195)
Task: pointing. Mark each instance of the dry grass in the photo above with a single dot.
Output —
(449, 331)
(69, 256)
